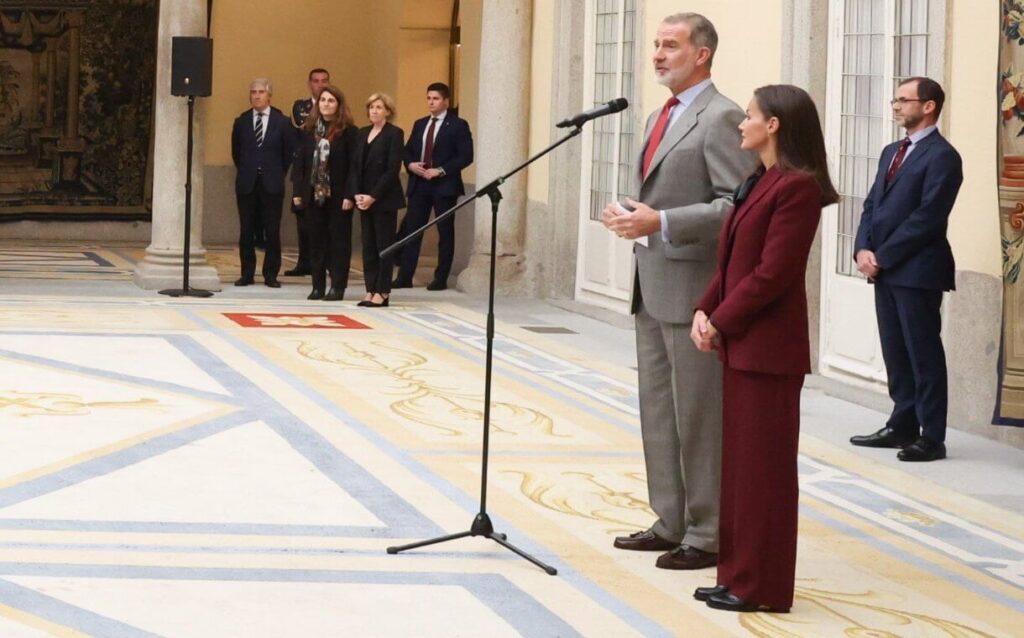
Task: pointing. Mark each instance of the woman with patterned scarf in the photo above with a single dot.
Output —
(319, 179)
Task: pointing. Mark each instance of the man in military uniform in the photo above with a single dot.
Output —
(317, 80)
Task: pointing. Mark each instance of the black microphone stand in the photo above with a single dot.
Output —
(482, 525)
(185, 290)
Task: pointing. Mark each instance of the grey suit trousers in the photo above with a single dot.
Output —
(681, 421)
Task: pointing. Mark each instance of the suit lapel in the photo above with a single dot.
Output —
(920, 150)
(765, 184)
(681, 128)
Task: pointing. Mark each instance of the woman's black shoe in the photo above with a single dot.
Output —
(318, 293)
(729, 601)
(703, 593)
(334, 294)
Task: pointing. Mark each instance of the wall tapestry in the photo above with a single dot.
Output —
(76, 108)
(1009, 409)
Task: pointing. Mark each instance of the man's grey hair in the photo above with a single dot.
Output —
(702, 32)
(264, 83)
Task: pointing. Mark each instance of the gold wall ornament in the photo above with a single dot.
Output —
(423, 401)
(858, 614)
(615, 497)
(28, 404)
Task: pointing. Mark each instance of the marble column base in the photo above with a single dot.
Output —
(162, 269)
(510, 271)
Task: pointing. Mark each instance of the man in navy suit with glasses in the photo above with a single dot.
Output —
(901, 247)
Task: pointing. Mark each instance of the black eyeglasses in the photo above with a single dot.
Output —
(904, 100)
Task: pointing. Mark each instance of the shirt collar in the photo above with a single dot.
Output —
(440, 116)
(687, 97)
(923, 133)
(265, 112)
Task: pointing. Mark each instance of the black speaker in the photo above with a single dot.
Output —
(191, 66)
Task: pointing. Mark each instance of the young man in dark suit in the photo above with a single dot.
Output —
(317, 80)
(262, 142)
(901, 247)
(439, 147)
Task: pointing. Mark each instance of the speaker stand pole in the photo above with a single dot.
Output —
(185, 290)
(482, 525)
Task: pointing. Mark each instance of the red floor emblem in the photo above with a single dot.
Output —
(294, 320)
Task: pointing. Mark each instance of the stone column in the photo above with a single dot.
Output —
(502, 142)
(163, 263)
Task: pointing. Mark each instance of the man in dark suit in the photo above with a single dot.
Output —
(317, 80)
(901, 246)
(440, 146)
(262, 141)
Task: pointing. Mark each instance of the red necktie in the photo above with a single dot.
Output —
(898, 160)
(428, 147)
(658, 133)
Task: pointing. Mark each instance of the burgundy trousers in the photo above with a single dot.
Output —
(760, 495)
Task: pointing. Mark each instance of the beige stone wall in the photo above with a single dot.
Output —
(972, 61)
(749, 50)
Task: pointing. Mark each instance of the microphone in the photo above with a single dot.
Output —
(616, 105)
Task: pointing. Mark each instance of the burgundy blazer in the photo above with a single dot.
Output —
(756, 300)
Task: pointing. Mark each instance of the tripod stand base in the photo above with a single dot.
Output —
(186, 292)
(481, 526)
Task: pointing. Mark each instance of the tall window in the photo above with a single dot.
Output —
(884, 42)
(613, 136)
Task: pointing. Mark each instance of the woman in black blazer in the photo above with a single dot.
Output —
(378, 195)
(320, 181)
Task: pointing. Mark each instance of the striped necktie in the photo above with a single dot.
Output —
(258, 129)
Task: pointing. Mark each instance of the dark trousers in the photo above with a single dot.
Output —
(378, 229)
(760, 494)
(910, 326)
(302, 231)
(267, 207)
(330, 232)
(421, 204)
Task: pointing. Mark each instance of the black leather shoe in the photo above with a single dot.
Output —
(438, 284)
(686, 557)
(703, 593)
(374, 304)
(318, 293)
(923, 450)
(296, 272)
(401, 283)
(243, 281)
(272, 283)
(645, 541)
(729, 601)
(334, 294)
(886, 437)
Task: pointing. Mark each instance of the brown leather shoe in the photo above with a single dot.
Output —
(645, 541)
(686, 557)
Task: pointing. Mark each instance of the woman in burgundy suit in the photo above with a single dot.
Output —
(754, 312)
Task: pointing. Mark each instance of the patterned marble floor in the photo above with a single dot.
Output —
(237, 468)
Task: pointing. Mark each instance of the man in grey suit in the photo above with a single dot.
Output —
(690, 164)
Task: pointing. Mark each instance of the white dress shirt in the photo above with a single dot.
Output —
(437, 128)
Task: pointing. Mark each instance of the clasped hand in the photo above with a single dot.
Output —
(867, 264)
(703, 334)
(642, 221)
(364, 202)
(426, 173)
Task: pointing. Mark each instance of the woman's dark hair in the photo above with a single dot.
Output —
(800, 145)
(342, 117)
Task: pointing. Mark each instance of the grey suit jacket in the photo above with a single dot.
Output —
(698, 165)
